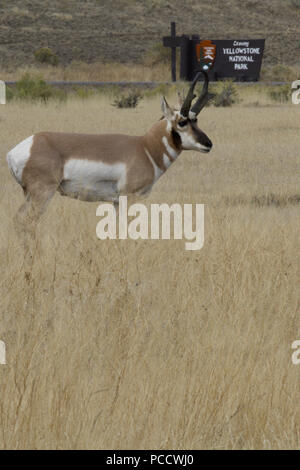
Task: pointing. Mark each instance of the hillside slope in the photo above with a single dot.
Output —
(124, 30)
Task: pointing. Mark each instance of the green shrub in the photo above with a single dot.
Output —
(130, 100)
(35, 88)
(45, 55)
(9, 93)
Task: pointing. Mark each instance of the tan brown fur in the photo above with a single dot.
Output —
(143, 159)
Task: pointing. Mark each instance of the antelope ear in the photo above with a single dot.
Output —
(167, 111)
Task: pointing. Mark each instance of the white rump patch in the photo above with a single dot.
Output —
(18, 157)
(157, 171)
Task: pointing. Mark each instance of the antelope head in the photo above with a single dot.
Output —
(183, 122)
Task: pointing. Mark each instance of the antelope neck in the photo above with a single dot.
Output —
(163, 146)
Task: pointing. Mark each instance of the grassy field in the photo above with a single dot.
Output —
(141, 344)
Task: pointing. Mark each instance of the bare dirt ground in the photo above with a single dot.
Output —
(141, 344)
(125, 31)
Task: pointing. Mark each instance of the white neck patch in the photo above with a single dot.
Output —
(171, 151)
(157, 171)
(167, 160)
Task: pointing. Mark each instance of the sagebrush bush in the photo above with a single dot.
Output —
(130, 100)
(227, 96)
(45, 55)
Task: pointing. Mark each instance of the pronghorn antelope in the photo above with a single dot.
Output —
(103, 167)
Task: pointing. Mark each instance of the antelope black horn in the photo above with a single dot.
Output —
(203, 98)
(185, 108)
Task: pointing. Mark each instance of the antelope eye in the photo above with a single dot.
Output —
(182, 123)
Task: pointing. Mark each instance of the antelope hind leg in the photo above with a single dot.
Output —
(29, 213)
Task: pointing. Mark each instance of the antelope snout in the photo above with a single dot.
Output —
(206, 146)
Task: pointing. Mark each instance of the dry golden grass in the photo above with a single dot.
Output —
(153, 69)
(142, 344)
(97, 71)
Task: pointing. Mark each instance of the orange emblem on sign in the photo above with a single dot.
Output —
(206, 53)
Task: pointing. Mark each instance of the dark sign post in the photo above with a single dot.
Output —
(173, 49)
(239, 59)
(172, 41)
